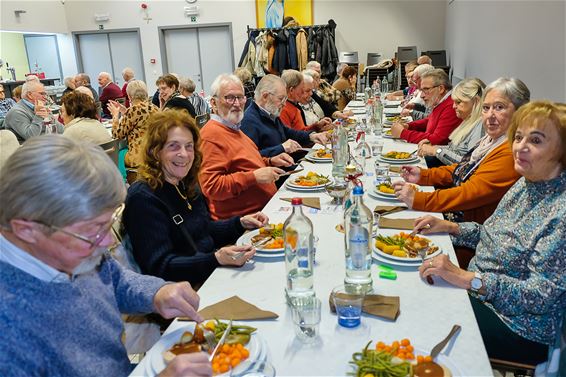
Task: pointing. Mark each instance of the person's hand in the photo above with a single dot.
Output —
(254, 221)
(347, 113)
(429, 224)
(282, 159)
(396, 129)
(177, 299)
(291, 146)
(162, 100)
(423, 141)
(121, 108)
(321, 138)
(409, 106)
(41, 110)
(188, 364)
(114, 109)
(411, 174)
(441, 266)
(427, 150)
(405, 112)
(268, 174)
(234, 255)
(324, 124)
(405, 192)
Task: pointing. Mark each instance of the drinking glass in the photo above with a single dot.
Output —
(254, 368)
(348, 303)
(376, 148)
(381, 172)
(306, 317)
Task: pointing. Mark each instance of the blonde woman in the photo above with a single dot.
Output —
(467, 97)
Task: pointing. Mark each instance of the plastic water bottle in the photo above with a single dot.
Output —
(368, 94)
(384, 86)
(378, 117)
(377, 88)
(298, 241)
(340, 153)
(362, 151)
(358, 221)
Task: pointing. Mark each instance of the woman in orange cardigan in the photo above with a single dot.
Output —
(471, 189)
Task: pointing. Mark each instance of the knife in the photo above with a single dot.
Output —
(221, 341)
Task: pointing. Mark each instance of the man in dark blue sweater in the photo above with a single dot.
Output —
(261, 121)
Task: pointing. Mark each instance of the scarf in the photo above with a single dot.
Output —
(486, 145)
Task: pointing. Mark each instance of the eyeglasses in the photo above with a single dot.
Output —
(282, 98)
(102, 232)
(426, 90)
(231, 99)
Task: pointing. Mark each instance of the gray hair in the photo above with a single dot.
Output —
(223, 79)
(30, 86)
(68, 80)
(313, 64)
(185, 83)
(340, 67)
(105, 74)
(312, 73)
(83, 77)
(128, 71)
(243, 74)
(267, 84)
(422, 69)
(292, 78)
(439, 77)
(32, 78)
(307, 78)
(512, 88)
(137, 89)
(78, 182)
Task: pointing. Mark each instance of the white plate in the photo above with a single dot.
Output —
(356, 104)
(392, 103)
(246, 239)
(157, 363)
(404, 260)
(389, 111)
(391, 262)
(382, 196)
(292, 186)
(440, 359)
(311, 156)
(399, 160)
(377, 192)
(358, 110)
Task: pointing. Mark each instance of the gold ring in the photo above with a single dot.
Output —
(430, 263)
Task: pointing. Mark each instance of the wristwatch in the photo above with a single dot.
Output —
(476, 283)
(438, 152)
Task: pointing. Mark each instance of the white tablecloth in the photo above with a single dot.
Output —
(427, 312)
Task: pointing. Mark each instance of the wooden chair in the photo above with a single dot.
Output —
(112, 149)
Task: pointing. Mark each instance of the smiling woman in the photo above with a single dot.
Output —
(166, 217)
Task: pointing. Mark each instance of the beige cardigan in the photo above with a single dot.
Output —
(82, 129)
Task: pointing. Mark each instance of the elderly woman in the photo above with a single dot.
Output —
(328, 108)
(187, 88)
(53, 260)
(79, 115)
(346, 84)
(467, 104)
(517, 278)
(475, 185)
(314, 115)
(170, 97)
(166, 216)
(130, 123)
(245, 77)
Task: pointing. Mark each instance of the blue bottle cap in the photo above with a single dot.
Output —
(358, 190)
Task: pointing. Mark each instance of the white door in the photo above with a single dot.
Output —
(216, 53)
(126, 52)
(95, 56)
(181, 49)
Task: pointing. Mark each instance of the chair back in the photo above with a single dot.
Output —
(202, 119)
(348, 57)
(373, 58)
(438, 58)
(112, 149)
(406, 53)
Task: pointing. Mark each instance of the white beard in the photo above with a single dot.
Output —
(89, 264)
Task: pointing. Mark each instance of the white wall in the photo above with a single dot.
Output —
(67, 54)
(41, 16)
(381, 26)
(523, 39)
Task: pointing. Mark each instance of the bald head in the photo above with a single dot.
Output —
(84, 90)
(424, 59)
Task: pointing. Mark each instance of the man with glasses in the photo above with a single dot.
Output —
(262, 124)
(437, 127)
(31, 116)
(62, 292)
(235, 178)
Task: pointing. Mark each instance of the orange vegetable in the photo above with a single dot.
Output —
(405, 342)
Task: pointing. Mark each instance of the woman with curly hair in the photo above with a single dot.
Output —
(166, 218)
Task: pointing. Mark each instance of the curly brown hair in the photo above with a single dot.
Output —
(79, 105)
(158, 126)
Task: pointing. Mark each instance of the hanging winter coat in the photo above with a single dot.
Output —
(249, 54)
(302, 49)
(270, 45)
(292, 50)
(261, 54)
(281, 56)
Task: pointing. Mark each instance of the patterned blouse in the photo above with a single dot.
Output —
(521, 255)
(132, 127)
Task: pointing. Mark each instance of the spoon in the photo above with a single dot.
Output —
(431, 368)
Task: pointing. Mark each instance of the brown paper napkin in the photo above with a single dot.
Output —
(235, 308)
(388, 209)
(395, 169)
(406, 224)
(309, 202)
(380, 306)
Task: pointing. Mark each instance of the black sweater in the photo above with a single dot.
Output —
(160, 247)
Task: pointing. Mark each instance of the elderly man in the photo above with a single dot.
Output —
(62, 292)
(128, 76)
(234, 177)
(437, 127)
(31, 117)
(416, 106)
(424, 59)
(325, 90)
(69, 84)
(108, 91)
(82, 79)
(262, 124)
(323, 123)
(5, 103)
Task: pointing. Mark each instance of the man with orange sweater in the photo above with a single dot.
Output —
(234, 178)
(436, 90)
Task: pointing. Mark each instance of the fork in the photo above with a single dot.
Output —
(210, 338)
(422, 253)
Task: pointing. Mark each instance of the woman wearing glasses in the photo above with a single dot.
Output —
(467, 97)
(166, 216)
(58, 283)
(474, 186)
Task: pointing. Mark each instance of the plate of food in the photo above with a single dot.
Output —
(358, 110)
(356, 104)
(320, 155)
(388, 111)
(403, 247)
(396, 156)
(309, 182)
(401, 358)
(241, 344)
(385, 189)
(387, 134)
(269, 240)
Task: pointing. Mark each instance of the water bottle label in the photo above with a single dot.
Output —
(358, 245)
(303, 257)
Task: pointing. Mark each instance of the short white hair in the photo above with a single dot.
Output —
(105, 74)
(32, 78)
(129, 71)
(308, 78)
(313, 64)
(223, 79)
(30, 86)
(422, 69)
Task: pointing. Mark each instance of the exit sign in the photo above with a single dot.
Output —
(193, 18)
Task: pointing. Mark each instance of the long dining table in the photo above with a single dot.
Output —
(427, 312)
